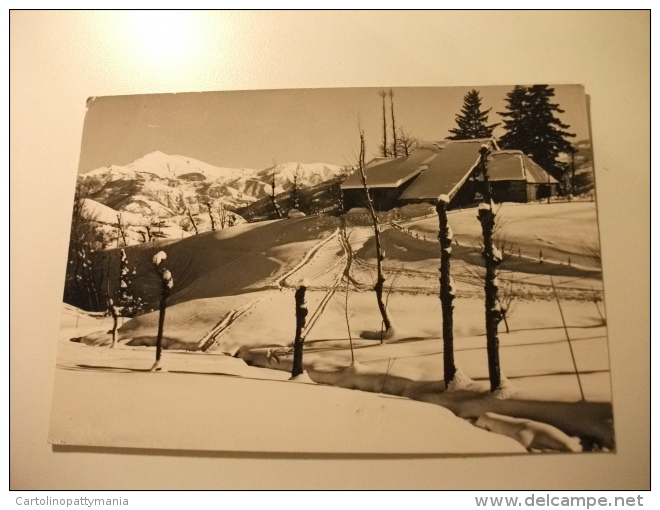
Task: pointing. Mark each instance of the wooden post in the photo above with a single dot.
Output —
(301, 317)
(492, 258)
(446, 290)
(166, 284)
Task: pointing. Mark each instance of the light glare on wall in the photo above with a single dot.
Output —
(166, 41)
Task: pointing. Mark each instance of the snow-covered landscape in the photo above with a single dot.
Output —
(294, 308)
(230, 324)
(161, 195)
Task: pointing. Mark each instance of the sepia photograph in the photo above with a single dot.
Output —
(407, 270)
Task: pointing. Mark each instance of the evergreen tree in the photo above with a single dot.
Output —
(124, 303)
(515, 119)
(472, 122)
(532, 127)
(81, 287)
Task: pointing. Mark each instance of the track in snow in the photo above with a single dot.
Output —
(210, 338)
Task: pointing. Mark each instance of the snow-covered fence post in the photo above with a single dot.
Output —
(445, 236)
(492, 258)
(166, 284)
(301, 317)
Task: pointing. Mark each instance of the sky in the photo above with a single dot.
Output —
(256, 129)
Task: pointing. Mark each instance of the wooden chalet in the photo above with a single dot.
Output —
(448, 167)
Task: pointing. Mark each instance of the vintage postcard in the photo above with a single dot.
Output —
(370, 270)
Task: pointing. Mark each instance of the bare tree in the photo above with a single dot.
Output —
(347, 287)
(121, 230)
(380, 278)
(273, 200)
(223, 215)
(208, 206)
(507, 291)
(295, 190)
(385, 150)
(336, 193)
(492, 258)
(301, 317)
(447, 294)
(192, 221)
(166, 284)
(158, 224)
(406, 143)
(394, 141)
(146, 234)
(250, 216)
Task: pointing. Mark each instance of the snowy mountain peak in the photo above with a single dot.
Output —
(167, 186)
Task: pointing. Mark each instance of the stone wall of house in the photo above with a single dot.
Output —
(384, 198)
(509, 191)
(540, 191)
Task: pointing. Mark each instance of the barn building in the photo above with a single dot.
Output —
(447, 167)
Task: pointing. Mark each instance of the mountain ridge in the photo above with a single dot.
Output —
(172, 188)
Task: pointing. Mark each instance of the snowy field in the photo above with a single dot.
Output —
(230, 326)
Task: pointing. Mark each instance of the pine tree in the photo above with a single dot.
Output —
(472, 122)
(123, 303)
(532, 127)
(515, 119)
(81, 288)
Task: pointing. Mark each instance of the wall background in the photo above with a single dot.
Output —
(60, 58)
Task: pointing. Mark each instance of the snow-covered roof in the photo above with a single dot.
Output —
(451, 163)
(513, 165)
(438, 166)
(386, 173)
